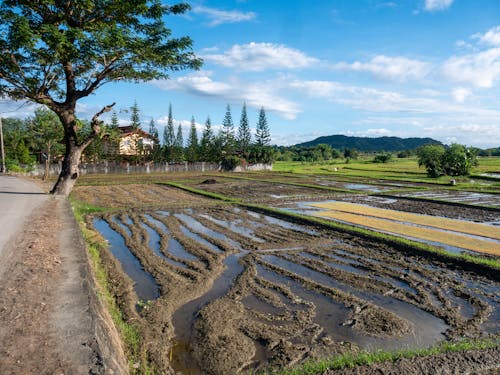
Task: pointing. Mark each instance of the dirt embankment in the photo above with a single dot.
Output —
(48, 314)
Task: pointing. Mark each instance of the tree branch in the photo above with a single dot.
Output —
(95, 124)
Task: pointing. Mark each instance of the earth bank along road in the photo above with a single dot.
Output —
(50, 319)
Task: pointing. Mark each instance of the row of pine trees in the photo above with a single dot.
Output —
(229, 146)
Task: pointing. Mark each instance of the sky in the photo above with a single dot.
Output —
(406, 68)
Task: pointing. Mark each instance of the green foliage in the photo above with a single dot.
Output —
(430, 156)
(244, 139)
(169, 137)
(207, 143)
(192, 149)
(230, 162)
(350, 153)
(261, 154)
(227, 133)
(262, 134)
(456, 160)
(178, 146)
(383, 157)
(99, 41)
(135, 118)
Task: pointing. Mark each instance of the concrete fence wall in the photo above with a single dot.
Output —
(124, 168)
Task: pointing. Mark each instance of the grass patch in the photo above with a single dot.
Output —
(95, 244)
(351, 360)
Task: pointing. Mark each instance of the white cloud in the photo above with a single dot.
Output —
(491, 37)
(260, 94)
(479, 69)
(377, 132)
(435, 5)
(398, 68)
(261, 56)
(17, 109)
(219, 17)
(365, 98)
(460, 94)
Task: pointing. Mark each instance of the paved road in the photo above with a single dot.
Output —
(18, 199)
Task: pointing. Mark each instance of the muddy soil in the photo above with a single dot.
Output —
(255, 291)
(263, 192)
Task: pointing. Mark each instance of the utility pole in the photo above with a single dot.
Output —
(3, 169)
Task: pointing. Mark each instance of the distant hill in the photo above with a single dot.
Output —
(366, 144)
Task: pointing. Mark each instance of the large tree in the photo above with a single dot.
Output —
(193, 148)
(46, 133)
(169, 135)
(58, 52)
(227, 133)
(244, 135)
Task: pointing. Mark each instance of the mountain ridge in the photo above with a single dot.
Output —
(368, 144)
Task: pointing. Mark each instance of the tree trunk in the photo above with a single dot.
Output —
(69, 172)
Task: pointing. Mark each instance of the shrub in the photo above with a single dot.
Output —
(230, 162)
(382, 158)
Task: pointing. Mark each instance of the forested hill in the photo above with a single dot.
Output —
(365, 144)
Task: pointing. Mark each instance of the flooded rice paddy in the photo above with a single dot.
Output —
(232, 290)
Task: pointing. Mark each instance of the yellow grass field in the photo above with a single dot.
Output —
(431, 221)
(362, 216)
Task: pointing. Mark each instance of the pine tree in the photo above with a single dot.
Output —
(178, 148)
(114, 120)
(227, 133)
(262, 135)
(135, 120)
(192, 150)
(207, 140)
(152, 130)
(169, 136)
(244, 136)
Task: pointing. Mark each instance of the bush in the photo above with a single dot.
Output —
(382, 158)
(230, 162)
(456, 160)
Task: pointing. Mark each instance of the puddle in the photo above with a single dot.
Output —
(331, 316)
(195, 225)
(199, 239)
(144, 283)
(117, 221)
(288, 225)
(235, 227)
(363, 187)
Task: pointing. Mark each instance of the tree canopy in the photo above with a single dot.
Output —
(58, 52)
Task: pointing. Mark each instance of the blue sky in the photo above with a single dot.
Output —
(421, 68)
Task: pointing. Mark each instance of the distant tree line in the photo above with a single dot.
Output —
(39, 139)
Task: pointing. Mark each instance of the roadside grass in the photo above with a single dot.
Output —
(351, 360)
(492, 265)
(95, 244)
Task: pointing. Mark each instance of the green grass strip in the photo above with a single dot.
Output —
(492, 265)
(351, 360)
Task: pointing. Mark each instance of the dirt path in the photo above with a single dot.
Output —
(50, 320)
